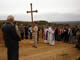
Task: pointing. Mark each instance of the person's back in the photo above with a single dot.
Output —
(10, 36)
(26, 29)
(74, 31)
(21, 28)
(26, 32)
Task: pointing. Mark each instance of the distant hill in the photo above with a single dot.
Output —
(45, 22)
(67, 22)
(27, 22)
(42, 23)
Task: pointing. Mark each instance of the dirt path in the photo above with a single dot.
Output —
(61, 51)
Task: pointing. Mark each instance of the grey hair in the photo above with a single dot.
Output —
(10, 17)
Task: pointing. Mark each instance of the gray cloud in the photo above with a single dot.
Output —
(51, 10)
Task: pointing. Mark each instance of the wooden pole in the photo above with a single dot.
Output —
(32, 11)
(31, 15)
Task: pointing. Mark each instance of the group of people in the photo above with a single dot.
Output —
(49, 35)
(12, 34)
(70, 34)
(30, 32)
(25, 31)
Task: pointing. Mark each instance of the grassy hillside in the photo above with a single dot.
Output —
(44, 23)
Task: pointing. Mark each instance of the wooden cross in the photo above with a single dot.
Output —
(32, 11)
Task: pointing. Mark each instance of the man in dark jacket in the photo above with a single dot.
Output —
(66, 37)
(26, 31)
(11, 38)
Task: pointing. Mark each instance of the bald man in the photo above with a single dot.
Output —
(11, 38)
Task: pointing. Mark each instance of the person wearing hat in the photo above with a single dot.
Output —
(11, 39)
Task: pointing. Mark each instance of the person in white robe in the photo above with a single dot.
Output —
(51, 36)
(46, 35)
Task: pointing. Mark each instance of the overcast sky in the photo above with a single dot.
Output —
(18, 9)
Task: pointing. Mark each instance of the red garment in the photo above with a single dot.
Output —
(58, 31)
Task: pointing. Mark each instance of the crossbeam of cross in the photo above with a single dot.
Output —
(32, 11)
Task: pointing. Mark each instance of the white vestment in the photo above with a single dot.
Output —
(45, 37)
(51, 36)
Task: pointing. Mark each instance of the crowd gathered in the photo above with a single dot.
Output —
(67, 34)
(12, 34)
(50, 34)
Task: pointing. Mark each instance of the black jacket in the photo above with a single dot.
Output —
(10, 35)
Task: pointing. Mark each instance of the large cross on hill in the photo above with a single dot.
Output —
(32, 11)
